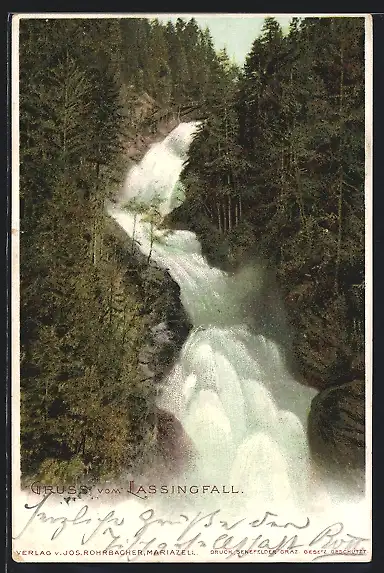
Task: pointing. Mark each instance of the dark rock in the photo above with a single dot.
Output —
(336, 432)
(175, 451)
(162, 343)
(325, 350)
(171, 454)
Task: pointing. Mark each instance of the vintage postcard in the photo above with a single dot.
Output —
(191, 287)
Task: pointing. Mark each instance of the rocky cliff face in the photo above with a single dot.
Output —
(149, 124)
(166, 327)
(167, 322)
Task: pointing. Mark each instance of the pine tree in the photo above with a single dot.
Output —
(159, 68)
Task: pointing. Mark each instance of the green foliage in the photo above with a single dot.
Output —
(276, 172)
(59, 472)
(278, 169)
(85, 309)
(174, 63)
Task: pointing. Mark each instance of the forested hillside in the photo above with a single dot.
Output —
(88, 88)
(276, 175)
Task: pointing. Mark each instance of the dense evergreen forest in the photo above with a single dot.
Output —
(275, 174)
(87, 87)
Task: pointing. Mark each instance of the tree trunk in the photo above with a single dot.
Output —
(65, 118)
(151, 245)
(94, 242)
(282, 166)
(208, 211)
(218, 216)
(229, 213)
(341, 177)
(133, 232)
(97, 175)
(46, 399)
(339, 230)
(110, 311)
(124, 326)
(300, 202)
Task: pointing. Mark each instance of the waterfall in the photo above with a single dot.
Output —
(243, 416)
(230, 388)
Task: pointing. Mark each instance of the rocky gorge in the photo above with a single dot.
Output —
(315, 355)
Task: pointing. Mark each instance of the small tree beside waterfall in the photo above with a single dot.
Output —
(153, 216)
(137, 209)
(149, 213)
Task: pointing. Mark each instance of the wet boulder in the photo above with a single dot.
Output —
(176, 453)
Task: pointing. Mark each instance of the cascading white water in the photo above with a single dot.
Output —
(230, 389)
